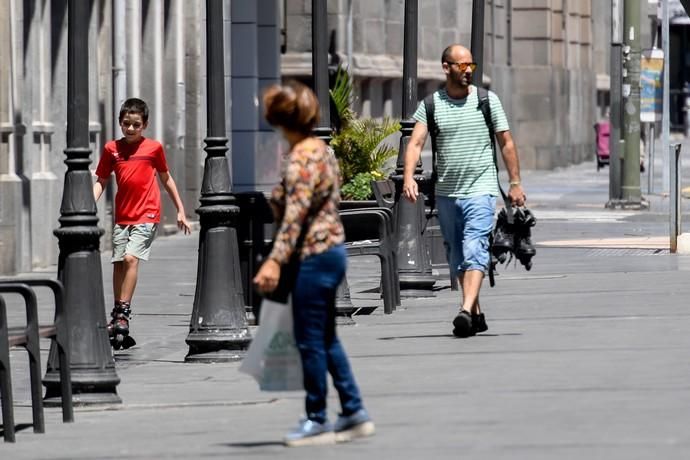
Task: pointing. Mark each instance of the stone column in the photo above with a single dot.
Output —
(173, 88)
(44, 184)
(248, 162)
(268, 140)
(134, 47)
(12, 224)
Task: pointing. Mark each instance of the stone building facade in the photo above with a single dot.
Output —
(539, 57)
(163, 65)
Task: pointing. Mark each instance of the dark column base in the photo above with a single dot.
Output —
(218, 327)
(414, 261)
(89, 387)
(94, 380)
(625, 204)
(216, 346)
(417, 285)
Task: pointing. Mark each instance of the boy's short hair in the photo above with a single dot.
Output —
(134, 105)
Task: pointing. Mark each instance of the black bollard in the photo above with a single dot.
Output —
(477, 43)
(218, 331)
(94, 380)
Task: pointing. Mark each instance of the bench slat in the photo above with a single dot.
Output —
(17, 340)
(17, 335)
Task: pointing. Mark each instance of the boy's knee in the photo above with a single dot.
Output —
(130, 260)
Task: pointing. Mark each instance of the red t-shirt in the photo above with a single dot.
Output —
(138, 198)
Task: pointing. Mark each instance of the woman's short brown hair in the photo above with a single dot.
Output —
(292, 106)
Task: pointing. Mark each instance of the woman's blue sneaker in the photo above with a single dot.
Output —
(357, 425)
(310, 433)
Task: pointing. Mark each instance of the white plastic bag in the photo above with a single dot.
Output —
(273, 359)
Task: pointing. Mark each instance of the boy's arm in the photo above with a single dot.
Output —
(171, 188)
(98, 187)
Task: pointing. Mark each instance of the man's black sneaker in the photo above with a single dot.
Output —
(479, 323)
(462, 325)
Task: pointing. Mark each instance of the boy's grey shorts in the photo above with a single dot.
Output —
(134, 240)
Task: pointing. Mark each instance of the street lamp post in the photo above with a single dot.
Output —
(218, 330)
(631, 193)
(477, 42)
(94, 380)
(319, 59)
(615, 115)
(414, 261)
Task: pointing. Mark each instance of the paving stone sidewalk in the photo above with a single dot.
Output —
(586, 357)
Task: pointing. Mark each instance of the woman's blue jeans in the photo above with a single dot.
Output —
(313, 305)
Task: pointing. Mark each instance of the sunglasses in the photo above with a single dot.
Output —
(463, 66)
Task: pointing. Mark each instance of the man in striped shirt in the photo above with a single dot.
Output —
(466, 184)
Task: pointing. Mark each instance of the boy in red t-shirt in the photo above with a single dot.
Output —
(135, 160)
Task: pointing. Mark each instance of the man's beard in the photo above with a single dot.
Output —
(463, 81)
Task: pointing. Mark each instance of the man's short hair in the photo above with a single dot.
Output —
(134, 105)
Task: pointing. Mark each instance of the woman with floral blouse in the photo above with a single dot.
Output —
(308, 196)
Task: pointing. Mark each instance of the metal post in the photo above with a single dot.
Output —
(631, 104)
(686, 108)
(615, 115)
(319, 59)
(650, 158)
(414, 261)
(218, 329)
(477, 41)
(94, 380)
(666, 107)
(674, 208)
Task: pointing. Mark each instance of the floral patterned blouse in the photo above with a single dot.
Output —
(310, 183)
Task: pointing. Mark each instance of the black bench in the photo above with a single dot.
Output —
(384, 192)
(369, 231)
(28, 338)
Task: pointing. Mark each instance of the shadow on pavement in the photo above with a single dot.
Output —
(254, 444)
(432, 336)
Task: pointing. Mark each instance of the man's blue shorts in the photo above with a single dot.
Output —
(466, 225)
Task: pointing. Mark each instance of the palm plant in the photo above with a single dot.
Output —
(357, 142)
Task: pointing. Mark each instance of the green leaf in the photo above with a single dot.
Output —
(341, 95)
(358, 142)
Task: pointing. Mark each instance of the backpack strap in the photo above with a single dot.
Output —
(432, 127)
(433, 132)
(485, 106)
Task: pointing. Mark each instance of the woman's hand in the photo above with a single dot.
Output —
(266, 280)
